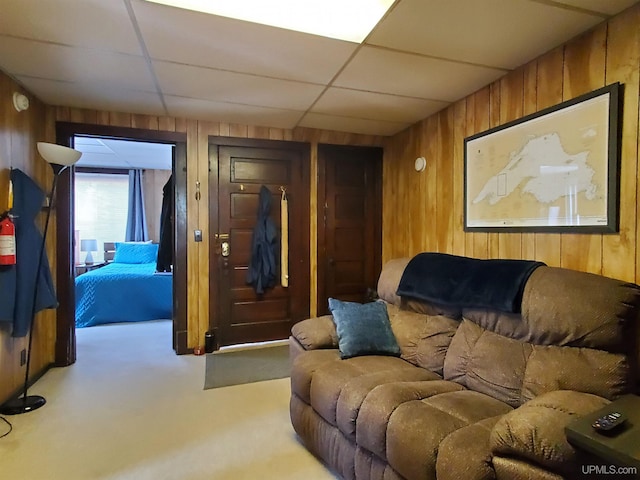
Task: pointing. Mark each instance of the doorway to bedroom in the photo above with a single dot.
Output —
(120, 189)
(118, 233)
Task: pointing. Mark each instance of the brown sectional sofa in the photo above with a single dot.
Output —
(476, 393)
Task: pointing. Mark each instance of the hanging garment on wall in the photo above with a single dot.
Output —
(263, 266)
(165, 247)
(17, 282)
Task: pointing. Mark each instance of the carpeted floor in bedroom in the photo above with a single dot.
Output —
(131, 409)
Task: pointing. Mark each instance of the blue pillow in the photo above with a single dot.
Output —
(363, 329)
(135, 252)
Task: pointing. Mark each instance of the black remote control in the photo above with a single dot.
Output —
(608, 422)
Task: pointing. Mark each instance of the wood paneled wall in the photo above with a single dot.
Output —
(198, 133)
(420, 211)
(424, 211)
(19, 133)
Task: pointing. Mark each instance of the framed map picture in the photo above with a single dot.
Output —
(553, 171)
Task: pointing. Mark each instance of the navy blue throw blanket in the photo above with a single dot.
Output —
(466, 282)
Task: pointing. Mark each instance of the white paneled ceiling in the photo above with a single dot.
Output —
(141, 57)
(111, 153)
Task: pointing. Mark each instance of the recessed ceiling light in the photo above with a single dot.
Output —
(349, 20)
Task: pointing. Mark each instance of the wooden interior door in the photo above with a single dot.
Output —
(350, 231)
(239, 314)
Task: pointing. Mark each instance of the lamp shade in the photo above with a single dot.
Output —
(89, 245)
(57, 154)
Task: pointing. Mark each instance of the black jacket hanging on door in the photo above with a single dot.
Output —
(165, 248)
(17, 282)
(263, 266)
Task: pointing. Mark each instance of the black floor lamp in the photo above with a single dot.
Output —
(59, 158)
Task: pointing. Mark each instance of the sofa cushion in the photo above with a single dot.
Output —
(416, 428)
(472, 444)
(566, 307)
(388, 285)
(379, 405)
(348, 382)
(304, 366)
(318, 332)
(363, 329)
(515, 371)
(390, 278)
(358, 389)
(423, 339)
(535, 431)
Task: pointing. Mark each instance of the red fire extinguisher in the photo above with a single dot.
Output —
(7, 241)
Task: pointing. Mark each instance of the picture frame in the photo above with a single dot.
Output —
(556, 170)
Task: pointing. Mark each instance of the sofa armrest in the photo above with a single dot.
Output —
(535, 430)
(316, 333)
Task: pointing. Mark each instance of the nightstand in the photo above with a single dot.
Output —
(84, 268)
(622, 446)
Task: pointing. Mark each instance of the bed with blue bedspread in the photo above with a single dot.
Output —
(126, 290)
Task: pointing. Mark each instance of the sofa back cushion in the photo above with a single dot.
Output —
(390, 279)
(423, 339)
(567, 307)
(577, 331)
(388, 285)
(514, 371)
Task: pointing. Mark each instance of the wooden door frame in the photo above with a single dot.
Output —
(322, 201)
(65, 350)
(214, 143)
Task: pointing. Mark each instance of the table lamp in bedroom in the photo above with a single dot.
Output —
(89, 246)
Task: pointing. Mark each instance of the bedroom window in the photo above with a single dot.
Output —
(101, 203)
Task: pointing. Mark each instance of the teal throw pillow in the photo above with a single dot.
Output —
(363, 329)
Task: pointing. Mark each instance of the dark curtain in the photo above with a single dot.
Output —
(136, 218)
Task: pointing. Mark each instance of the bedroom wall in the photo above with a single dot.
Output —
(198, 132)
(424, 211)
(19, 132)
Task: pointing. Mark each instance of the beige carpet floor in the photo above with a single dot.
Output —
(131, 409)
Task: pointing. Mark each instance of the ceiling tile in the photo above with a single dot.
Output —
(114, 153)
(70, 94)
(375, 106)
(99, 24)
(609, 7)
(86, 53)
(231, 112)
(498, 33)
(349, 124)
(195, 38)
(55, 62)
(386, 71)
(222, 86)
